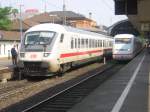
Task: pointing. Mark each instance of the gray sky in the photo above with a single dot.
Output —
(102, 10)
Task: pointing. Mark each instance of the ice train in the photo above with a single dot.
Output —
(53, 48)
(126, 46)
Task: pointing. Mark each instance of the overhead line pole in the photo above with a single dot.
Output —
(20, 20)
(45, 6)
(64, 16)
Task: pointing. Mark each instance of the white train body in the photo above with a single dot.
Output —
(126, 46)
(51, 47)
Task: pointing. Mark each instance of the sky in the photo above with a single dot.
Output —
(102, 10)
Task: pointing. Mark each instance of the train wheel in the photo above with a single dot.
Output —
(64, 68)
(61, 71)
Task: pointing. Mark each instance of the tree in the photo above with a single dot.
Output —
(5, 22)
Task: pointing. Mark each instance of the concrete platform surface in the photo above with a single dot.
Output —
(126, 91)
(5, 62)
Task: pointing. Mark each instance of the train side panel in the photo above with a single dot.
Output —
(49, 48)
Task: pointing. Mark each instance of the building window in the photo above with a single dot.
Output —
(4, 48)
(0, 49)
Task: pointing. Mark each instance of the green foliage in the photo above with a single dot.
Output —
(5, 22)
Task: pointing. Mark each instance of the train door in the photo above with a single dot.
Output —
(61, 48)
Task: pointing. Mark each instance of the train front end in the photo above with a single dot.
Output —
(35, 54)
(122, 49)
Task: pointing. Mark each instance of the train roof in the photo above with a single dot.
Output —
(61, 28)
(124, 36)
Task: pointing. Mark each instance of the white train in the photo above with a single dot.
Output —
(52, 48)
(126, 46)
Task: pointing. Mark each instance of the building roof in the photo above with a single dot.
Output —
(56, 16)
(44, 17)
(67, 14)
(51, 17)
(26, 24)
(9, 35)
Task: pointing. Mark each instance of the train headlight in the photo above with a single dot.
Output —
(46, 54)
(22, 55)
(129, 49)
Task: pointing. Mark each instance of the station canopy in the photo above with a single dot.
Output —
(123, 27)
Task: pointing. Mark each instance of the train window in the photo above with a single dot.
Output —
(86, 43)
(96, 43)
(61, 38)
(41, 37)
(79, 43)
(82, 43)
(100, 43)
(106, 43)
(123, 40)
(75, 43)
(72, 43)
(103, 43)
(110, 44)
(90, 45)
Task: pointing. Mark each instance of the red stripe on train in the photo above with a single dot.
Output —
(79, 53)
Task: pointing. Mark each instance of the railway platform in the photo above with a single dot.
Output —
(5, 65)
(5, 62)
(126, 91)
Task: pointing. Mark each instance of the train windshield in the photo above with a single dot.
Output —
(122, 40)
(39, 38)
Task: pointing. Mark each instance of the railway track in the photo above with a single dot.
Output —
(15, 91)
(65, 99)
(17, 88)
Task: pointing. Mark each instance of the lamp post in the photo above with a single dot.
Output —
(64, 16)
(20, 20)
